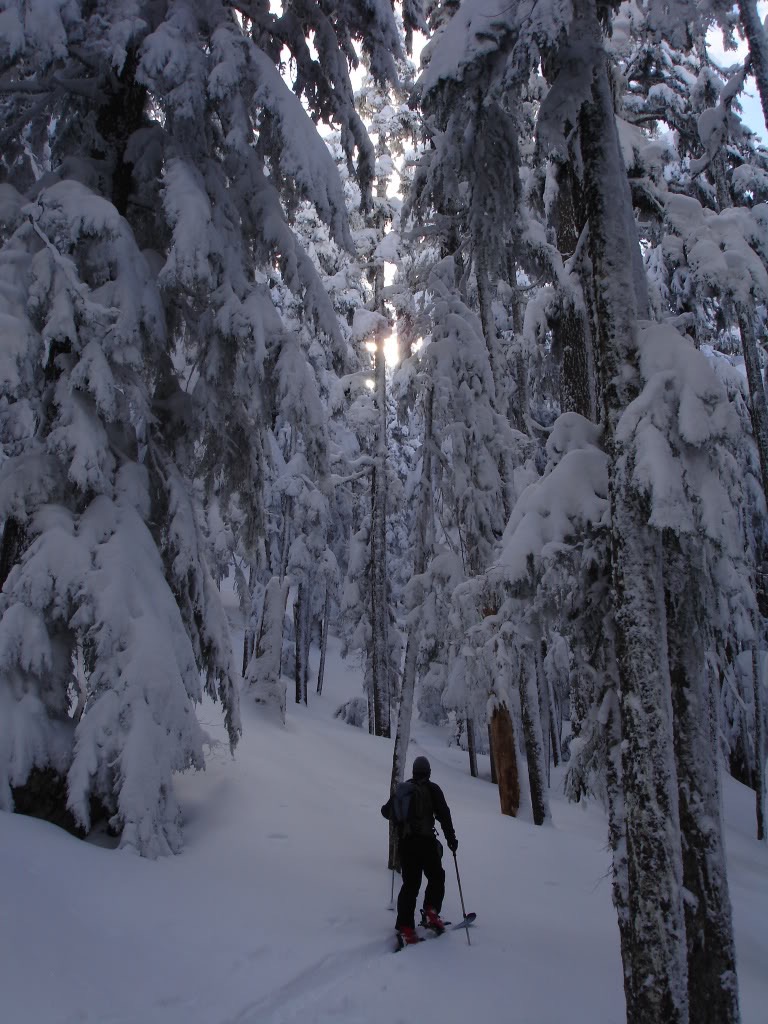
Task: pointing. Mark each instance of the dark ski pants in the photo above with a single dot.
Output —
(419, 855)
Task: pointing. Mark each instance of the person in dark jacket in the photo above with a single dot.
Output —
(421, 853)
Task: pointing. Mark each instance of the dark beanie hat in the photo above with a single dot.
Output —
(421, 768)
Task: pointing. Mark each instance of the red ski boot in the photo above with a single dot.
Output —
(431, 919)
(406, 936)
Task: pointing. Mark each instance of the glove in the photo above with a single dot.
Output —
(453, 844)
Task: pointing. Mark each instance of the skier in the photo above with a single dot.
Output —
(413, 807)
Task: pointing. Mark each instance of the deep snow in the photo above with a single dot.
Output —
(277, 911)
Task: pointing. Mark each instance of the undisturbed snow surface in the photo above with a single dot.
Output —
(277, 911)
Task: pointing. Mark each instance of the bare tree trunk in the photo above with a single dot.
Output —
(402, 736)
(263, 679)
(324, 639)
(471, 747)
(301, 620)
(571, 332)
(554, 723)
(485, 302)
(249, 639)
(505, 756)
(757, 684)
(534, 740)
(380, 668)
(82, 683)
(10, 548)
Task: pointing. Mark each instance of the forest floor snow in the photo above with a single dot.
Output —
(277, 911)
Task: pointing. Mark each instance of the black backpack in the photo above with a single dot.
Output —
(412, 808)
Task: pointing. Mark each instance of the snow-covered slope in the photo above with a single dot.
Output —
(277, 910)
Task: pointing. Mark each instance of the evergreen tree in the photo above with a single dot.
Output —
(157, 156)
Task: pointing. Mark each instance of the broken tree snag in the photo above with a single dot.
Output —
(505, 760)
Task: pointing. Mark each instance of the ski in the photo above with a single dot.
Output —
(468, 920)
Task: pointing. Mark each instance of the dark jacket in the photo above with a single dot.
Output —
(439, 809)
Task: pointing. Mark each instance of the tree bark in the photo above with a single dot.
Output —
(757, 682)
(10, 548)
(471, 747)
(554, 723)
(712, 985)
(324, 639)
(758, 49)
(485, 302)
(380, 669)
(301, 621)
(617, 838)
(570, 331)
(505, 757)
(758, 411)
(494, 777)
(534, 737)
(421, 554)
(263, 679)
(655, 953)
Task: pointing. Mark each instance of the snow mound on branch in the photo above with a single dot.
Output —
(367, 323)
(569, 499)
(467, 37)
(304, 156)
(675, 433)
(721, 248)
(484, 27)
(388, 248)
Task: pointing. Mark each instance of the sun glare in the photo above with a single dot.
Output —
(391, 351)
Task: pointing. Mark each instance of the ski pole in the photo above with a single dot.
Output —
(461, 897)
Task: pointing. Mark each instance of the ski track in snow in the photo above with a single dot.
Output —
(296, 995)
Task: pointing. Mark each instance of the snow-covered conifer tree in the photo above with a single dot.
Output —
(156, 155)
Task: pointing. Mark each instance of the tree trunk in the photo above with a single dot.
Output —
(380, 668)
(758, 410)
(554, 723)
(249, 636)
(617, 838)
(758, 49)
(402, 735)
(655, 954)
(758, 407)
(301, 621)
(422, 550)
(712, 985)
(757, 682)
(485, 302)
(534, 739)
(11, 547)
(494, 777)
(324, 639)
(249, 640)
(471, 747)
(263, 679)
(570, 331)
(505, 757)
